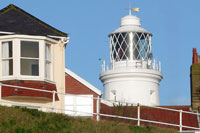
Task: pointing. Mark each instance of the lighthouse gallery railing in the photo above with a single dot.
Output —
(141, 64)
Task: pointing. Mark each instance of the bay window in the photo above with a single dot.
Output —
(26, 59)
(7, 58)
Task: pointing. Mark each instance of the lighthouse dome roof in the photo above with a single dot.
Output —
(130, 23)
(130, 20)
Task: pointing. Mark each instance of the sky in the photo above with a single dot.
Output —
(175, 25)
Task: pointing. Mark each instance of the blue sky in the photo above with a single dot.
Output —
(175, 25)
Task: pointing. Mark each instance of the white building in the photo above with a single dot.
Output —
(133, 76)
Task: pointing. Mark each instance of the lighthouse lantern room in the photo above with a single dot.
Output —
(133, 76)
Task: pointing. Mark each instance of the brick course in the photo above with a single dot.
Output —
(151, 114)
(10, 91)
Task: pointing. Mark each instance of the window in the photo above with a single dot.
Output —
(47, 61)
(26, 58)
(113, 95)
(130, 46)
(7, 58)
(29, 58)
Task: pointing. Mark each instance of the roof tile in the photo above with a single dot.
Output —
(14, 19)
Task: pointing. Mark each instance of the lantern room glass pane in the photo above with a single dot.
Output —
(135, 40)
(120, 46)
(144, 47)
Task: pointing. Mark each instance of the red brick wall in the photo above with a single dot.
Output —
(151, 114)
(10, 91)
(72, 86)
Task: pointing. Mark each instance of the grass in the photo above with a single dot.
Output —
(23, 120)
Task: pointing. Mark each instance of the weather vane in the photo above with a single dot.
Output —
(132, 9)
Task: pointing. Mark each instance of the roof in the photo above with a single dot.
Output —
(14, 19)
(131, 29)
(130, 23)
(81, 80)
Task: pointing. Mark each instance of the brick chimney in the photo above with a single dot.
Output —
(195, 56)
(195, 81)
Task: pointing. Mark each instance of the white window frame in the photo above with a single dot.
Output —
(16, 45)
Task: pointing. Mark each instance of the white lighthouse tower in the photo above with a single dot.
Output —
(133, 76)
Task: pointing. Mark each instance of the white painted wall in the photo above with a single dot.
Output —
(78, 104)
(59, 71)
(132, 85)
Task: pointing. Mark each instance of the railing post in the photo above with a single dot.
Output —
(180, 122)
(154, 64)
(159, 66)
(138, 114)
(113, 64)
(98, 108)
(53, 102)
(104, 66)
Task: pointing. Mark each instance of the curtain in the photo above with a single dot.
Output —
(47, 52)
(5, 56)
(47, 60)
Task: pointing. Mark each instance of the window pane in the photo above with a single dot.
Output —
(48, 61)
(47, 69)
(7, 67)
(7, 61)
(48, 52)
(7, 49)
(30, 67)
(29, 49)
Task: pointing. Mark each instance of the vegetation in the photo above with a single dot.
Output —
(23, 120)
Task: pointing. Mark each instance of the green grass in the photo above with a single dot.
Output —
(23, 120)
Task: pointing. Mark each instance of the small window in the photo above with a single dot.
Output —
(7, 58)
(47, 61)
(29, 58)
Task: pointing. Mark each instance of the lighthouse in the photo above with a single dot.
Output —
(133, 76)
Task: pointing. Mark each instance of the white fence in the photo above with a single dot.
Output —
(97, 113)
